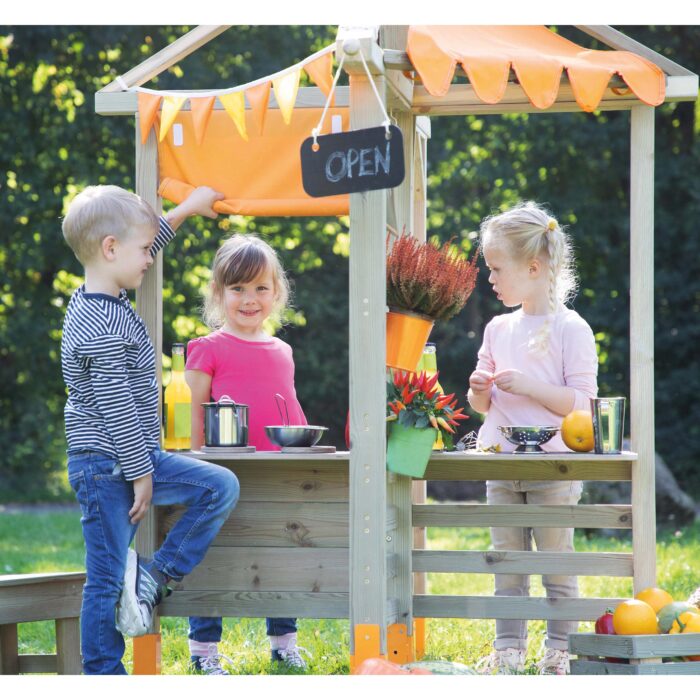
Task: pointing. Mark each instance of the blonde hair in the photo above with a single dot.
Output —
(529, 231)
(100, 211)
(239, 260)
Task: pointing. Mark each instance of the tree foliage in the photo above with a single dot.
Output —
(53, 144)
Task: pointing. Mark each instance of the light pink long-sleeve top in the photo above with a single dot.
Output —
(570, 360)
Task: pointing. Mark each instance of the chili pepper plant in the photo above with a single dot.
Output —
(414, 401)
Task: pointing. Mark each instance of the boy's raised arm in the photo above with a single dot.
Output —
(199, 201)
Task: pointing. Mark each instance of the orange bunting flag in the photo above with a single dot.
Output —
(258, 97)
(201, 112)
(286, 88)
(171, 106)
(321, 72)
(234, 104)
(148, 108)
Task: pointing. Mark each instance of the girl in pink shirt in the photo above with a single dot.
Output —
(241, 360)
(536, 364)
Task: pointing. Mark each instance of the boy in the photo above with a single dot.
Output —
(115, 464)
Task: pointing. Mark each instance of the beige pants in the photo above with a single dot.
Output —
(513, 633)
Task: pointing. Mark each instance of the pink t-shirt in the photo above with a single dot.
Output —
(251, 373)
(571, 360)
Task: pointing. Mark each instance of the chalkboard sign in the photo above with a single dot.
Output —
(353, 161)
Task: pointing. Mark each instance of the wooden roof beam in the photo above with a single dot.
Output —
(169, 56)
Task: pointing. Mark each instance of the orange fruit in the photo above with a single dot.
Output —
(656, 597)
(577, 431)
(634, 617)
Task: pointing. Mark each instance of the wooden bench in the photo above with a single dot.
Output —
(35, 597)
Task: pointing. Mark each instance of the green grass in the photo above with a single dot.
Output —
(41, 543)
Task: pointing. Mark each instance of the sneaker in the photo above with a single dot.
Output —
(555, 662)
(210, 665)
(291, 655)
(502, 661)
(144, 587)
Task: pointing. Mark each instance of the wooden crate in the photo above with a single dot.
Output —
(645, 654)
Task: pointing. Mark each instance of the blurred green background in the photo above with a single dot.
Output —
(52, 144)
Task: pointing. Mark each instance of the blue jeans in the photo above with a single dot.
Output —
(208, 629)
(105, 498)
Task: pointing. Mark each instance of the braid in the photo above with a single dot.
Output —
(540, 342)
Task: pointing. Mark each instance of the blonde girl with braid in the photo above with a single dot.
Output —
(536, 364)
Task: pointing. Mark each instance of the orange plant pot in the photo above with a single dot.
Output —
(406, 336)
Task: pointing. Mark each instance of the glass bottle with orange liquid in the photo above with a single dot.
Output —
(177, 405)
(428, 364)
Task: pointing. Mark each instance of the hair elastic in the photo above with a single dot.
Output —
(551, 224)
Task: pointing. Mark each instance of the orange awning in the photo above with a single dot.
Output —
(260, 176)
(537, 57)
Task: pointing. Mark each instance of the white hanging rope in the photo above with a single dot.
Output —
(226, 91)
(315, 132)
(387, 121)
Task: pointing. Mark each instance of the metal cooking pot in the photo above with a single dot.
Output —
(225, 423)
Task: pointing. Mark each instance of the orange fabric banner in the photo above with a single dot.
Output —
(148, 108)
(260, 176)
(536, 55)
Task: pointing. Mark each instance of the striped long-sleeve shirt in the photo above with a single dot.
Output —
(109, 367)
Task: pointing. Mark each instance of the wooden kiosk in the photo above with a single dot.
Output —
(332, 535)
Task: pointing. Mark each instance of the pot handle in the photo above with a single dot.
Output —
(226, 399)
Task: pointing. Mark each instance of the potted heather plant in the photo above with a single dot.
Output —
(424, 283)
(416, 412)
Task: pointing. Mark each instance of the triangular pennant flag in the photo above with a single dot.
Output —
(201, 111)
(258, 97)
(148, 108)
(234, 104)
(321, 72)
(286, 88)
(171, 106)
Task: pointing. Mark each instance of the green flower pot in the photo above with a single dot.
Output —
(408, 450)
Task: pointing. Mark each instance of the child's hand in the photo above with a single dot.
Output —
(143, 493)
(513, 381)
(201, 201)
(480, 381)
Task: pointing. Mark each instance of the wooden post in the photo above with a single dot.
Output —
(368, 586)
(68, 660)
(9, 652)
(149, 305)
(641, 403)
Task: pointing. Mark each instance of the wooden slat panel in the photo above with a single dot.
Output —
(255, 604)
(37, 663)
(643, 646)
(522, 516)
(48, 600)
(264, 524)
(296, 480)
(307, 569)
(511, 607)
(125, 103)
(454, 466)
(502, 562)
